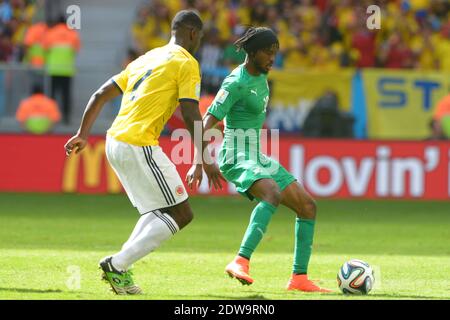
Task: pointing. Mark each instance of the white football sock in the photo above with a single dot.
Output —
(143, 221)
(151, 237)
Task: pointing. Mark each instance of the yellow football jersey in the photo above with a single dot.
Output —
(152, 86)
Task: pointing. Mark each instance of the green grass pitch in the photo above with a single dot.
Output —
(46, 241)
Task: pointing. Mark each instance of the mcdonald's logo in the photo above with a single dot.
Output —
(94, 160)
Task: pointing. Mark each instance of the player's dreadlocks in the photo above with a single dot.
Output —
(255, 39)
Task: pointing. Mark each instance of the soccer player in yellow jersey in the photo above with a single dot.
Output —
(152, 87)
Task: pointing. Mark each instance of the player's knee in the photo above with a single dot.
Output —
(189, 216)
(273, 195)
(182, 214)
(276, 194)
(309, 210)
(184, 218)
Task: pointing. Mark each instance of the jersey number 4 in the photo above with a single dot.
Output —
(138, 83)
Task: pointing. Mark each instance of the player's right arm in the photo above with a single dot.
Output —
(224, 101)
(108, 91)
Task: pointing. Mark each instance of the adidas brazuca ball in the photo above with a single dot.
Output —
(355, 277)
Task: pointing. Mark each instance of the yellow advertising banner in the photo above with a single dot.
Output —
(400, 104)
(292, 87)
(93, 159)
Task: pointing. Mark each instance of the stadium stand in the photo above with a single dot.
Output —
(319, 34)
(322, 35)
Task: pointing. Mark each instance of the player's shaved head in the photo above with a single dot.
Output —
(187, 19)
(187, 30)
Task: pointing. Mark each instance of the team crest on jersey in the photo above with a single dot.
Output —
(222, 96)
(179, 190)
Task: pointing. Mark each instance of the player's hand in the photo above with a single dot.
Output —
(194, 176)
(214, 175)
(76, 143)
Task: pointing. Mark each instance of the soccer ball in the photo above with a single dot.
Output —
(355, 277)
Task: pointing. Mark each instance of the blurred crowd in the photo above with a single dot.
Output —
(31, 35)
(323, 34)
(16, 16)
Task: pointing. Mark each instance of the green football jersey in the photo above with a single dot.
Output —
(242, 100)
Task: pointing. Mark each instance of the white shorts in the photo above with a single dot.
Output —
(149, 178)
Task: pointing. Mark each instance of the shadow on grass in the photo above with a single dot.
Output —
(26, 290)
(300, 295)
(338, 295)
(220, 297)
(250, 297)
(399, 296)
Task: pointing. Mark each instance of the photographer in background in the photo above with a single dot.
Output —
(326, 121)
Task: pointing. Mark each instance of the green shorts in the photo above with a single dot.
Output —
(244, 172)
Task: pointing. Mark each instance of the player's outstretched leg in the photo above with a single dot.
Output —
(269, 193)
(297, 198)
(156, 231)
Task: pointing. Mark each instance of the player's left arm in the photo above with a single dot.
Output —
(108, 91)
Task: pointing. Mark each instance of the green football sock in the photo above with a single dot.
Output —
(259, 220)
(304, 234)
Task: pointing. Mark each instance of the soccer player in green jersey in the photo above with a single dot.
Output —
(242, 102)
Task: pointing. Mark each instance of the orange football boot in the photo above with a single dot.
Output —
(302, 283)
(239, 268)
